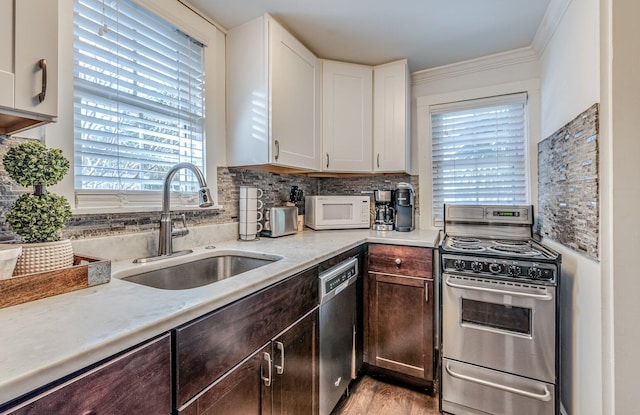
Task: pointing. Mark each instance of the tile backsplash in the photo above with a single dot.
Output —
(568, 185)
(276, 188)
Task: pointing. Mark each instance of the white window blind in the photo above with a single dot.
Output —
(479, 152)
(138, 102)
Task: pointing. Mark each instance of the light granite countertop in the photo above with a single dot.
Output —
(56, 336)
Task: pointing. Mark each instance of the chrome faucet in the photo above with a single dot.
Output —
(165, 241)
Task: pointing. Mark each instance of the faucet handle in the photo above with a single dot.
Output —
(177, 233)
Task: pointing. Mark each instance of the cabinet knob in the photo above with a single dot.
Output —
(398, 262)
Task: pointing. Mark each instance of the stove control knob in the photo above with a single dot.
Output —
(459, 264)
(495, 268)
(514, 270)
(476, 266)
(535, 272)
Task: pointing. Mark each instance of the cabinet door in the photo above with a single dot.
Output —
(347, 105)
(400, 312)
(244, 390)
(390, 117)
(36, 39)
(138, 382)
(295, 101)
(295, 368)
(6, 53)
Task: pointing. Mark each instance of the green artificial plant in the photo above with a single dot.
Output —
(37, 216)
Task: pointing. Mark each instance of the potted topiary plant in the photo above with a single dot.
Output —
(38, 217)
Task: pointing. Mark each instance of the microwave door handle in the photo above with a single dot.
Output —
(545, 397)
(544, 297)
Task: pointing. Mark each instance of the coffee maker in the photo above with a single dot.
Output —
(385, 212)
(404, 206)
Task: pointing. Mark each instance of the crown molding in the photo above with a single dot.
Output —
(549, 24)
(552, 17)
(485, 63)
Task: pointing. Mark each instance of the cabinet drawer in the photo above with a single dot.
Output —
(401, 260)
(138, 382)
(213, 344)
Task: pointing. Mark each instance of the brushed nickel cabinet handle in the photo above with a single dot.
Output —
(426, 292)
(378, 160)
(43, 93)
(266, 379)
(327, 160)
(280, 367)
(277, 144)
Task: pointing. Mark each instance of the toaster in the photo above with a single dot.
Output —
(280, 221)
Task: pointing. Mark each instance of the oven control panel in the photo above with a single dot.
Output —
(503, 268)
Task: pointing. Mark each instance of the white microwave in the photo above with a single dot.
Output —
(336, 212)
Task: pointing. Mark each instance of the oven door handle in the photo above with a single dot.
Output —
(544, 297)
(545, 397)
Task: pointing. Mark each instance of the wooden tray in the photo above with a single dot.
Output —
(85, 272)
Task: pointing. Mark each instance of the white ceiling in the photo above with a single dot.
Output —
(429, 33)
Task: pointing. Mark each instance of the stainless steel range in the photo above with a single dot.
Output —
(499, 313)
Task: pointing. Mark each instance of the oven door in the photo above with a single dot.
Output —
(501, 325)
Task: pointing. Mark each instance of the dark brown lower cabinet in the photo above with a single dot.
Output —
(137, 382)
(295, 361)
(280, 378)
(210, 346)
(240, 391)
(400, 324)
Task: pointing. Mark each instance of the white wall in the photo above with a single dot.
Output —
(569, 75)
(570, 83)
(621, 93)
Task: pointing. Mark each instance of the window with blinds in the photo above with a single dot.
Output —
(479, 152)
(138, 103)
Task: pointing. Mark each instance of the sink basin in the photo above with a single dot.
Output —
(200, 272)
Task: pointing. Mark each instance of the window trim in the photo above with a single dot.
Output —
(60, 134)
(425, 106)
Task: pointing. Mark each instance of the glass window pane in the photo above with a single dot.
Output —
(479, 155)
(138, 99)
(497, 316)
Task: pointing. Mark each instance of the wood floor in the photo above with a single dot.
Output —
(370, 396)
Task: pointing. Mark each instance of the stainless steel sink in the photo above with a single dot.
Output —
(200, 272)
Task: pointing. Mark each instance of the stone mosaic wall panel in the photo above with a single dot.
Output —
(568, 188)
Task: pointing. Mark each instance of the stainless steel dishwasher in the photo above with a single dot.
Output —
(337, 331)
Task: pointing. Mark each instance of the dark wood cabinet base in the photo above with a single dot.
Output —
(391, 376)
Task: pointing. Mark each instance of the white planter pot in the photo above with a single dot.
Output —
(45, 256)
(9, 254)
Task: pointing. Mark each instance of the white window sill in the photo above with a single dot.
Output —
(137, 209)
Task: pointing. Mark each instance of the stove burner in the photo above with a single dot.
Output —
(467, 247)
(508, 242)
(464, 240)
(517, 250)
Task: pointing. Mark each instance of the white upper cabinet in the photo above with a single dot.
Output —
(365, 123)
(347, 105)
(273, 98)
(391, 136)
(28, 63)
